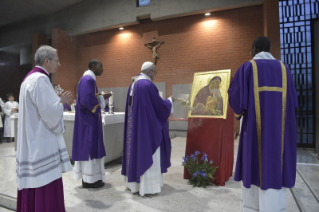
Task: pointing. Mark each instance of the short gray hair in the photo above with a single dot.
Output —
(145, 71)
(42, 53)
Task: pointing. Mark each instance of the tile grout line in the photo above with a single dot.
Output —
(297, 200)
(308, 186)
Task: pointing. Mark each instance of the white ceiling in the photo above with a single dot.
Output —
(12, 11)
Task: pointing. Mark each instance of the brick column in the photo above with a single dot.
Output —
(67, 75)
(271, 26)
(38, 40)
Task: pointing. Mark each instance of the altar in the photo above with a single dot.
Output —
(113, 127)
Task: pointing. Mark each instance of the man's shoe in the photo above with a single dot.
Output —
(92, 185)
(99, 182)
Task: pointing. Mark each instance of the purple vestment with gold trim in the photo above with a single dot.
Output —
(88, 131)
(267, 159)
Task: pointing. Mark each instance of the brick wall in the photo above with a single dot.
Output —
(38, 39)
(192, 44)
(67, 75)
(271, 25)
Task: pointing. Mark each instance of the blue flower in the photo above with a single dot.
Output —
(197, 153)
(195, 174)
(185, 158)
(203, 171)
(204, 157)
(194, 157)
(211, 161)
(204, 175)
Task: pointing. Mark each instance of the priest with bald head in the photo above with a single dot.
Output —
(146, 145)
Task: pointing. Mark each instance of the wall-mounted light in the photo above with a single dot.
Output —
(121, 28)
(207, 14)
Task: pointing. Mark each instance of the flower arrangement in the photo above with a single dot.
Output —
(202, 171)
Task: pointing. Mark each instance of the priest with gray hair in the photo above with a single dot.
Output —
(146, 144)
(42, 156)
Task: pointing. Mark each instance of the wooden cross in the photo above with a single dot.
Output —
(153, 46)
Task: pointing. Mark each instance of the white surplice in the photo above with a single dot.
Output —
(42, 156)
(92, 170)
(255, 199)
(8, 122)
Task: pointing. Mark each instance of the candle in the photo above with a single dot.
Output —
(111, 99)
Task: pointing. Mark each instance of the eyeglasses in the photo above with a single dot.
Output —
(154, 72)
(57, 61)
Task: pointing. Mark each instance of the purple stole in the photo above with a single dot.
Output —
(35, 70)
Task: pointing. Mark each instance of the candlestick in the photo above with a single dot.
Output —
(111, 99)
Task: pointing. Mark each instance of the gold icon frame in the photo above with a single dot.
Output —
(201, 80)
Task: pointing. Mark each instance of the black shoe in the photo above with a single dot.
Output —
(99, 182)
(92, 185)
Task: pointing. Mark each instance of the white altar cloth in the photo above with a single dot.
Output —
(117, 117)
(113, 128)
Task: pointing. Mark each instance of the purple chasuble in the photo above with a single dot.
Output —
(266, 157)
(88, 132)
(145, 129)
(35, 70)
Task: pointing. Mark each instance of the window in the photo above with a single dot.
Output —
(141, 3)
(296, 51)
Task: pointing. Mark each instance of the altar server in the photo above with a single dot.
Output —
(88, 148)
(263, 92)
(146, 145)
(10, 107)
(42, 156)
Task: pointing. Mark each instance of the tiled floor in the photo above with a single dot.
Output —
(176, 194)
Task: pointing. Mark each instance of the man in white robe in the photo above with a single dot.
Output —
(10, 107)
(42, 156)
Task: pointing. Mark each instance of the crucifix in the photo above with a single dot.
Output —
(59, 90)
(153, 46)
